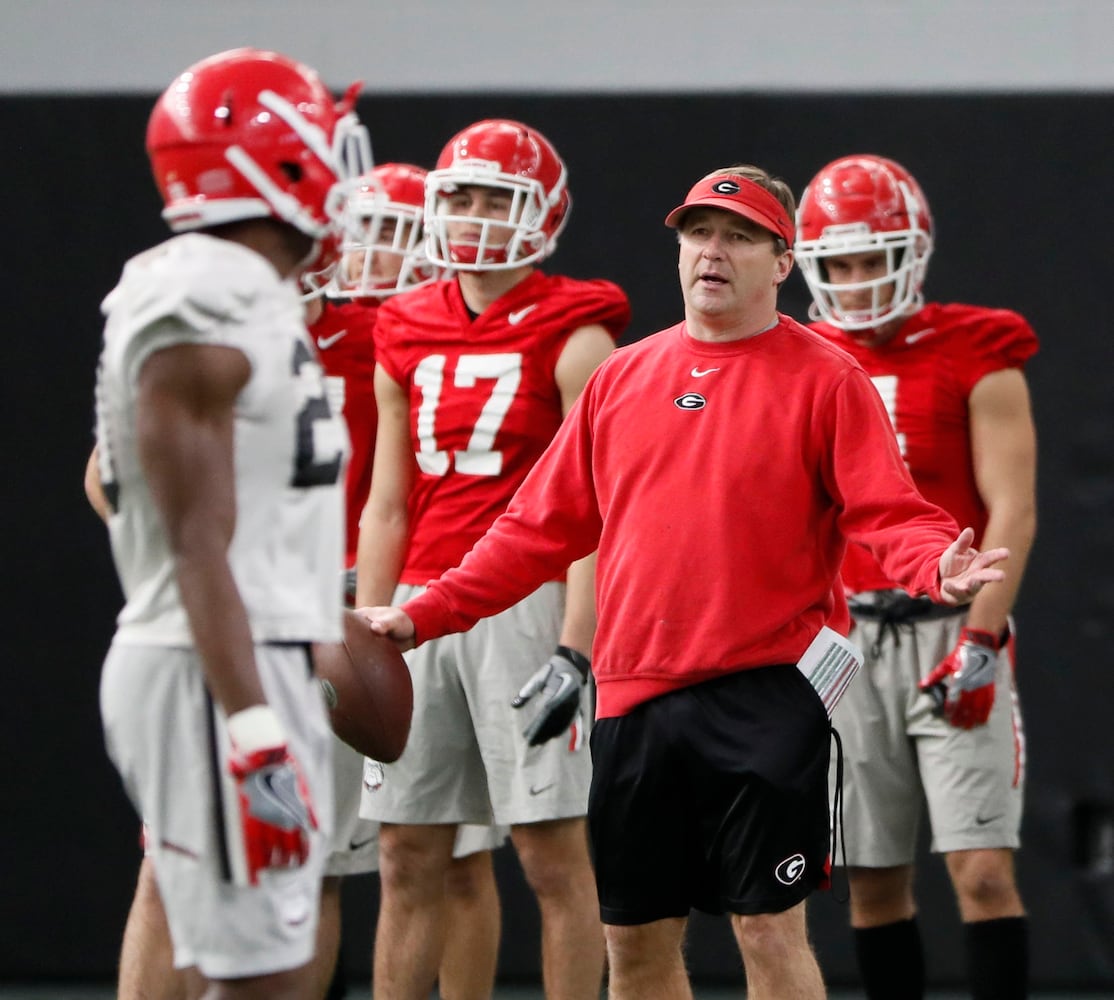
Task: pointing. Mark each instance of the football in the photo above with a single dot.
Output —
(367, 690)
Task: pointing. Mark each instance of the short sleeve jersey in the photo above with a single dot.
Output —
(484, 401)
(289, 447)
(925, 375)
(344, 336)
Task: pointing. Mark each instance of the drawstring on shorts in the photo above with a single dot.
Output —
(838, 838)
(895, 610)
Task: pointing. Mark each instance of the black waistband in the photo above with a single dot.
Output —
(306, 647)
(899, 607)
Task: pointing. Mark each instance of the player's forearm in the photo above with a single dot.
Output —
(1004, 455)
(380, 555)
(1014, 529)
(579, 628)
(220, 628)
(189, 467)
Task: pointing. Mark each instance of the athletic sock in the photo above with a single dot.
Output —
(998, 958)
(891, 960)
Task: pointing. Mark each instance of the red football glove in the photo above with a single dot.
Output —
(963, 685)
(276, 813)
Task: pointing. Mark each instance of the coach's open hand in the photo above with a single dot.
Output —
(964, 570)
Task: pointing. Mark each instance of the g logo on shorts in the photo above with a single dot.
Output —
(373, 775)
(791, 869)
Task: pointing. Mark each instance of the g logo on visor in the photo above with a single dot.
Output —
(725, 187)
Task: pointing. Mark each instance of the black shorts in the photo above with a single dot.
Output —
(713, 797)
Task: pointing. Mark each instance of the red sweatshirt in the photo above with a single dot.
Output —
(719, 482)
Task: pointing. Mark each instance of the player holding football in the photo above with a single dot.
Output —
(219, 460)
(382, 255)
(474, 377)
(935, 710)
(719, 467)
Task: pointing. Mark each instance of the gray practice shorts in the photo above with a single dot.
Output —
(899, 756)
(466, 760)
(170, 747)
(354, 848)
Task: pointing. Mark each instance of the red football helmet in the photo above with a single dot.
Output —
(250, 134)
(513, 158)
(383, 252)
(860, 204)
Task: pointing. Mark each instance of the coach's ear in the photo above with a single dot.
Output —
(784, 266)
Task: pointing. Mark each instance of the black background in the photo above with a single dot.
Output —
(1020, 192)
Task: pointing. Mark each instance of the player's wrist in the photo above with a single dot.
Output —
(984, 637)
(255, 728)
(577, 659)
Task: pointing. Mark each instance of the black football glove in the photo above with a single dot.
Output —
(560, 681)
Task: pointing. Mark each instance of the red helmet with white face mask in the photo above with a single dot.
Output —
(513, 160)
(249, 134)
(383, 251)
(864, 204)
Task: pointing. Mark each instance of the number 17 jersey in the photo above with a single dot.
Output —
(484, 400)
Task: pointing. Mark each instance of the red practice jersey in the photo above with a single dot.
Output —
(343, 336)
(484, 401)
(925, 375)
(718, 482)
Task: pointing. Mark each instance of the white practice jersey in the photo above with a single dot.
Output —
(290, 448)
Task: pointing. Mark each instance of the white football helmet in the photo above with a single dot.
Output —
(383, 250)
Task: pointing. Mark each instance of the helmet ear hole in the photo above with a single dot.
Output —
(223, 113)
(248, 134)
(559, 215)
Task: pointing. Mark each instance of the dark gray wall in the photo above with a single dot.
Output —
(1019, 187)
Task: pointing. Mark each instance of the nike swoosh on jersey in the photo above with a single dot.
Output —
(919, 335)
(324, 343)
(697, 373)
(544, 788)
(516, 317)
